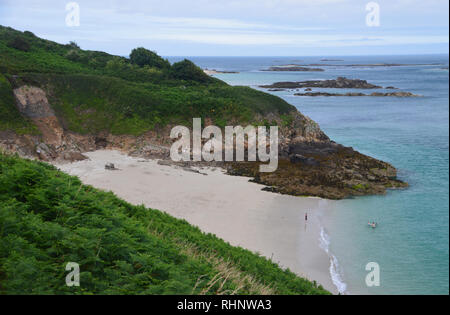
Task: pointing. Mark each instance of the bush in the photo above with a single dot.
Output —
(74, 45)
(187, 70)
(74, 55)
(20, 44)
(28, 33)
(144, 57)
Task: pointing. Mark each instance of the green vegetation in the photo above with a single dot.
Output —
(287, 120)
(19, 43)
(361, 187)
(187, 70)
(144, 57)
(10, 118)
(93, 91)
(48, 219)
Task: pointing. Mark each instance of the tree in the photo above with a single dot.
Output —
(144, 57)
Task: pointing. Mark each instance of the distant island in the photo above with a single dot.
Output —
(293, 68)
(377, 94)
(370, 65)
(213, 71)
(340, 83)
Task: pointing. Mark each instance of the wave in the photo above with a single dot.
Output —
(335, 270)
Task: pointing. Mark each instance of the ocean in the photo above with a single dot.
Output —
(411, 243)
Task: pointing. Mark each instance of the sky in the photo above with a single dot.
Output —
(239, 27)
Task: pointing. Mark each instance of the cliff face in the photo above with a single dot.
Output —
(32, 102)
(310, 163)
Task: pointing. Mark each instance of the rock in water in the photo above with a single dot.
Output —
(339, 83)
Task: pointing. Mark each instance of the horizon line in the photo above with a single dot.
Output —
(296, 56)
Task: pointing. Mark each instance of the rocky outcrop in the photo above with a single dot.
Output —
(376, 94)
(339, 83)
(310, 164)
(214, 71)
(152, 151)
(56, 143)
(294, 69)
(397, 94)
(53, 142)
(32, 102)
(323, 169)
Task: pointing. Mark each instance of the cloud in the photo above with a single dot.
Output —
(263, 39)
(257, 24)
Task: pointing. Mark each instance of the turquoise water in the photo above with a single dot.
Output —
(411, 244)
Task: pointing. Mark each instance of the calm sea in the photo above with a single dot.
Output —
(411, 244)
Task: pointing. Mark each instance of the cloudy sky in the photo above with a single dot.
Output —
(239, 27)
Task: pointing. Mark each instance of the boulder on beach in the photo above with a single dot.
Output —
(110, 167)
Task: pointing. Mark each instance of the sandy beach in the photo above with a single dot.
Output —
(232, 208)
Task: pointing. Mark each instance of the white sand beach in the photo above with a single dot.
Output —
(230, 207)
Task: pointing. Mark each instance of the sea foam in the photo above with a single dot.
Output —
(335, 270)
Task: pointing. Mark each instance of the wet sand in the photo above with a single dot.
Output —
(230, 207)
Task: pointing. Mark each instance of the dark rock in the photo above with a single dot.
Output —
(101, 142)
(73, 156)
(151, 151)
(270, 189)
(297, 158)
(294, 68)
(339, 83)
(314, 148)
(396, 94)
(110, 167)
(343, 172)
(44, 152)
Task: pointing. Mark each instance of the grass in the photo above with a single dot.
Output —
(48, 218)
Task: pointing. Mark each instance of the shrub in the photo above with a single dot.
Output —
(28, 33)
(187, 70)
(20, 44)
(116, 65)
(74, 45)
(73, 55)
(144, 57)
